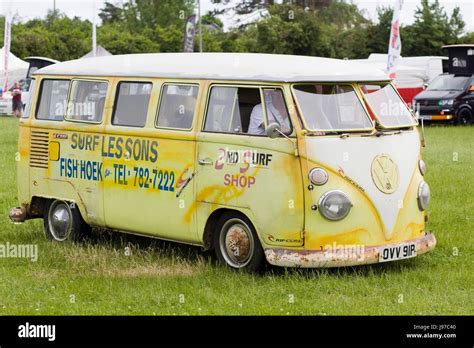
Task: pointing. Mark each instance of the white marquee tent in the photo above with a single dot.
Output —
(17, 68)
(100, 52)
(411, 71)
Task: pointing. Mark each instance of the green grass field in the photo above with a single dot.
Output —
(170, 279)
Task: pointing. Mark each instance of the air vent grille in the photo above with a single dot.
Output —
(39, 149)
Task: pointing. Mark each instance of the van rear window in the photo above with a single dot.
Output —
(86, 101)
(131, 105)
(177, 106)
(52, 100)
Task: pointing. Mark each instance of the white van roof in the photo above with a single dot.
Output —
(219, 66)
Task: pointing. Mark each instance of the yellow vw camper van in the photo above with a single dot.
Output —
(299, 161)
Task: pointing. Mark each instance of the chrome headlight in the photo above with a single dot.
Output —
(422, 167)
(423, 195)
(318, 176)
(334, 205)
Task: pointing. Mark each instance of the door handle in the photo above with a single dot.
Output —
(205, 161)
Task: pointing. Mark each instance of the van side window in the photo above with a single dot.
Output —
(52, 100)
(177, 106)
(230, 109)
(276, 110)
(86, 101)
(131, 104)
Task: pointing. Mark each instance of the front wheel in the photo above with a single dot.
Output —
(464, 117)
(236, 243)
(63, 221)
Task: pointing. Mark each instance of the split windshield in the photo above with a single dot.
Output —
(331, 107)
(338, 107)
(388, 107)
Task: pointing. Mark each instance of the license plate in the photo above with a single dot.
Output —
(426, 117)
(399, 252)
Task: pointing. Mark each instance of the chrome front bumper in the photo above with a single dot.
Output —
(329, 258)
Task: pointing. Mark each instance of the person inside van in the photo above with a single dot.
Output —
(276, 112)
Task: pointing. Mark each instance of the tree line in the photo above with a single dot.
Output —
(328, 28)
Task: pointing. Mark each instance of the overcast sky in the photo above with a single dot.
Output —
(28, 9)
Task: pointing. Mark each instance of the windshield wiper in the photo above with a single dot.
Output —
(341, 135)
(380, 133)
(319, 133)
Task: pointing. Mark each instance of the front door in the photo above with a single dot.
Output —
(240, 167)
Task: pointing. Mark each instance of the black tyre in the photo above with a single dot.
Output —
(464, 117)
(63, 221)
(236, 243)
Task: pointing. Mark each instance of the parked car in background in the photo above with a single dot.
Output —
(450, 96)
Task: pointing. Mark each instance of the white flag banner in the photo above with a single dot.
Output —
(395, 43)
(6, 49)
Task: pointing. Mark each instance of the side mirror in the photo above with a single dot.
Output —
(273, 130)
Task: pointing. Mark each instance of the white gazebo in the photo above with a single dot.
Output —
(100, 52)
(17, 68)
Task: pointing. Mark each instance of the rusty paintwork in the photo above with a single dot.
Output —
(327, 258)
(237, 243)
(17, 215)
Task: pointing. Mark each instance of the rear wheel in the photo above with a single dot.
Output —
(63, 221)
(464, 117)
(236, 243)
